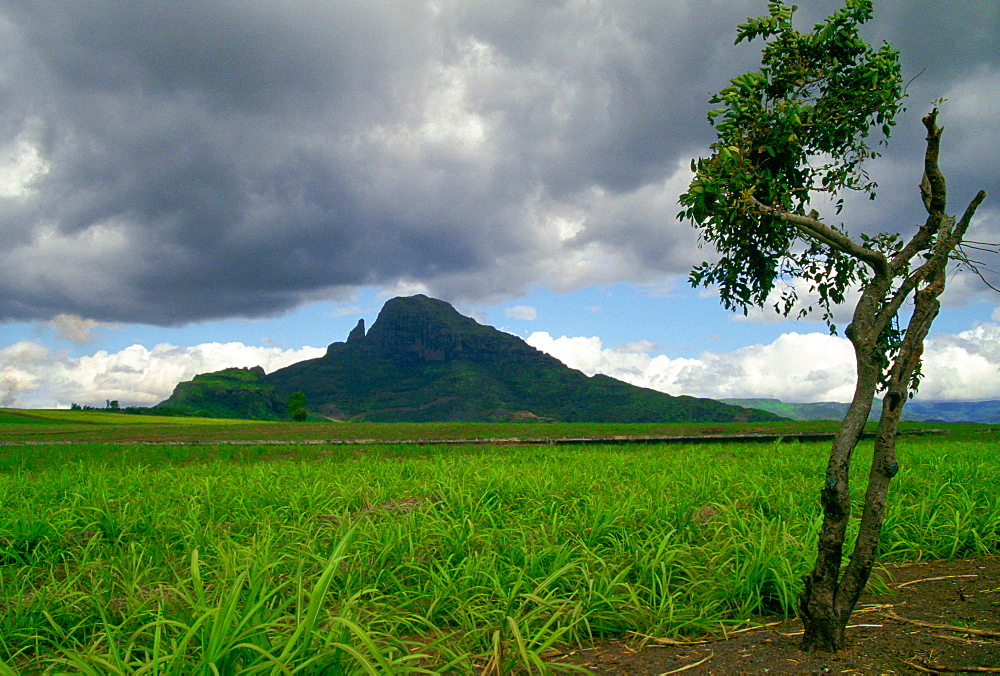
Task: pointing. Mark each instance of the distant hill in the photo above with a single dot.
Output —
(983, 412)
(230, 393)
(827, 410)
(423, 361)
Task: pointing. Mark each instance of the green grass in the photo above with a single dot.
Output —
(95, 426)
(118, 558)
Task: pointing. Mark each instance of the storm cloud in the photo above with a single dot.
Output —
(165, 163)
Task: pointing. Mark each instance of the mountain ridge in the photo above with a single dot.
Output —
(421, 360)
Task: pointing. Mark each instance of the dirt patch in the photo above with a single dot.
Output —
(941, 617)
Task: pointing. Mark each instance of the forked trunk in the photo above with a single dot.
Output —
(820, 608)
(819, 603)
(825, 615)
(828, 599)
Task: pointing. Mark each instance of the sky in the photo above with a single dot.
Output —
(186, 187)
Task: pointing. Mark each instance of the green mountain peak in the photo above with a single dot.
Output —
(422, 360)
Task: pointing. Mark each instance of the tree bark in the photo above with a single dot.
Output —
(884, 465)
(819, 607)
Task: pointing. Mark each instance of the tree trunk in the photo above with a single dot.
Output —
(819, 607)
(884, 465)
(828, 599)
(818, 604)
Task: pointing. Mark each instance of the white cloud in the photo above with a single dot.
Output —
(965, 366)
(74, 328)
(21, 164)
(584, 354)
(349, 310)
(794, 368)
(525, 312)
(32, 375)
(798, 368)
(596, 236)
(19, 373)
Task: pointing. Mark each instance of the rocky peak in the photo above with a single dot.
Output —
(418, 328)
(357, 333)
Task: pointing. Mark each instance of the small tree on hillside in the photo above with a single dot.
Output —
(297, 406)
(790, 136)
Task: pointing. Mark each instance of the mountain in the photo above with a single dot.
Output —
(982, 412)
(423, 361)
(230, 393)
(826, 410)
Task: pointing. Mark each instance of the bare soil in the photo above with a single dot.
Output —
(941, 617)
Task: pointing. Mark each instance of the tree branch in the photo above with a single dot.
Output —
(814, 229)
(938, 189)
(935, 265)
(933, 192)
(958, 234)
(889, 309)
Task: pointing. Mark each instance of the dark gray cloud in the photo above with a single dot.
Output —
(170, 162)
